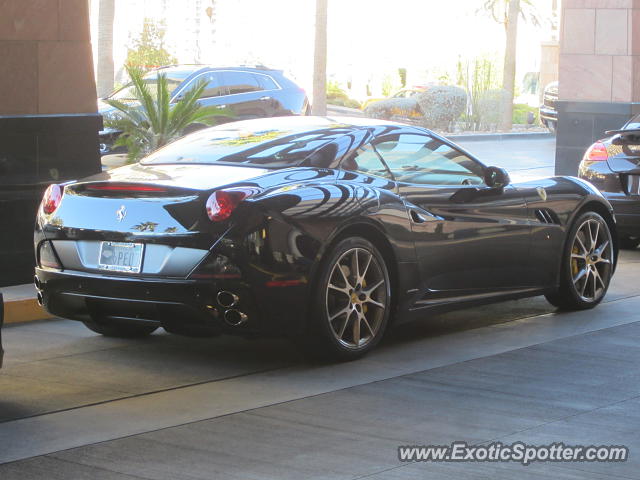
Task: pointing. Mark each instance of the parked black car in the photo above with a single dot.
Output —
(322, 229)
(243, 93)
(548, 112)
(613, 166)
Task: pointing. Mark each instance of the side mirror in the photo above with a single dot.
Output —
(496, 177)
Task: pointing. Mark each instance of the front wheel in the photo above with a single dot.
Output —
(587, 264)
(352, 301)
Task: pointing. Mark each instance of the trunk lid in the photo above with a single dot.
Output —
(136, 201)
(624, 154)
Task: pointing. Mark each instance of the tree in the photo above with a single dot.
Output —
(148, 50)
(152, 121)
(507, 13)
(105, 70)
(320, 60)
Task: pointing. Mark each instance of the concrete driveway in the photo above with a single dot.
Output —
(76, 405)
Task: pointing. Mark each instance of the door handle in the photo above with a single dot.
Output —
(220, 107)
(265, 98)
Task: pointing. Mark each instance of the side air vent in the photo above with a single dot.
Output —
(547, 216)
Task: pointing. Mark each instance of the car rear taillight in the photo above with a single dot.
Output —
(222, 203)
(596, 153)
(52, 198)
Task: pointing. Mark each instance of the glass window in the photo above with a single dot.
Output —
(128, 92)
(241, 82)
(214, 86)
(422, 159)
(633, 124)
(266, 82)
(366, 160)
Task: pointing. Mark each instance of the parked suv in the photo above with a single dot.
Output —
(548, 112)
(243, 92)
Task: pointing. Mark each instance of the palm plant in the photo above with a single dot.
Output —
(151, 121)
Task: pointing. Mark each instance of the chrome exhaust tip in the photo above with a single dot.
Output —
(235, 317)
(40, 299)
(227, 299)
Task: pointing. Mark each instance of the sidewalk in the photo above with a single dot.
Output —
(21, 304)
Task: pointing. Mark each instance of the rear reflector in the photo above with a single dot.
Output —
(596, 153)
(47, 257)
(125, 187)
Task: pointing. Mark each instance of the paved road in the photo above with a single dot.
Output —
(522, 158)
(76, 405)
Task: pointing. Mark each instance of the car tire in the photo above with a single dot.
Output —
(587, 264)
(628, 243)
(120, 329)
(351, 302)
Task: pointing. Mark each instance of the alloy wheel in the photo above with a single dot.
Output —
(591, 260)
(356, 298)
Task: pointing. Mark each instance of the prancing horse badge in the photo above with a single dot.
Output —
(121, 213)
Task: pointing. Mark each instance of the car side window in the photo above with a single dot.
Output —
(214, 87)
(241, 82)
(422, 159)
(365, 160)
(266, 82)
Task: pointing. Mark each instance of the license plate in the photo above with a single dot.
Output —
(120, 257)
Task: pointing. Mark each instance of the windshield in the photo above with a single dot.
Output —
(633, 124)
(230, 144)
(174, 79)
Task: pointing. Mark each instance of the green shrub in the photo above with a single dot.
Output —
(442, 106)
(490, 108)
(521, 111)
(385, 109)
(337, 96)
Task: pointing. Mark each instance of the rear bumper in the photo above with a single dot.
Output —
(80, 296)
(627, 212)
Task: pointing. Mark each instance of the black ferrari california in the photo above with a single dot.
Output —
(328, 230)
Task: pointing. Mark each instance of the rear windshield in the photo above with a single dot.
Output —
(633, 124)
(231, 145)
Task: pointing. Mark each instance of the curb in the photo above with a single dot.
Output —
(21, 305)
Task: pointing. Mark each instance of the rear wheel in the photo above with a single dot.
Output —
(352, 301)
(587, 264)
(120, 328)
(629, 243)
